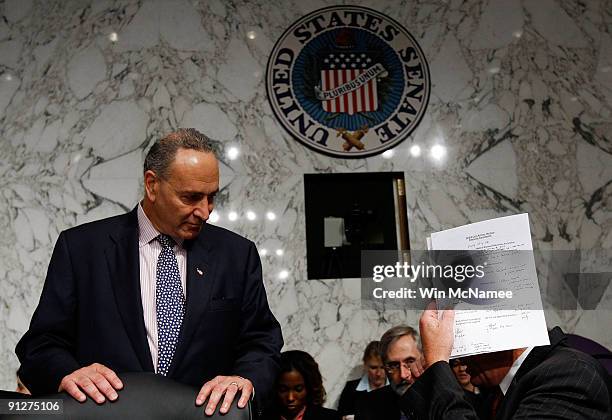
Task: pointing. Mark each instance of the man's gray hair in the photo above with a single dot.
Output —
(393, 334)
(162, 153)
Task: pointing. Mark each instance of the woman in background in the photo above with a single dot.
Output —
(373, 378)
(299, 389)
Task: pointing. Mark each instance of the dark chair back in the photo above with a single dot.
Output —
(144, 396)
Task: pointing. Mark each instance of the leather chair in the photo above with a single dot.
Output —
(144, 396)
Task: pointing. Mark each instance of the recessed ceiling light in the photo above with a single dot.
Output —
(232, 153)
(388, 154)
(438, 152)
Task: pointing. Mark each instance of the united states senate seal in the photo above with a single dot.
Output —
(348, 81)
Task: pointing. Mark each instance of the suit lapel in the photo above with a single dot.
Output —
(124, 268)
(200, 275)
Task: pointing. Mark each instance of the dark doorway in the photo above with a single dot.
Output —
(348, 213)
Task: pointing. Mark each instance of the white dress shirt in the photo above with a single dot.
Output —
(507, 381)
(148, 253)
(364, 384)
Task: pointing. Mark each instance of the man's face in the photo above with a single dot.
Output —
(400, 355)
(488, 370)
(181, 203)
(376, 372)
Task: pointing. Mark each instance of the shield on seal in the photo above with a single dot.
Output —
(347, 85)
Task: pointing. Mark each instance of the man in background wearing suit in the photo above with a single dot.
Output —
(399, 348)
(544, 382)
(156, 290)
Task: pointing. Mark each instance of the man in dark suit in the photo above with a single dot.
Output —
(552, 382)
(399, 348)
(382, 403)
(156, 290)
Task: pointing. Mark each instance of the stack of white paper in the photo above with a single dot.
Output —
(500, 325)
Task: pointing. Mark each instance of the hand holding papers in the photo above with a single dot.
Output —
(436, 327)
(503, 247)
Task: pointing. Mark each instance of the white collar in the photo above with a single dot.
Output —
(146, 230)
(507, 381)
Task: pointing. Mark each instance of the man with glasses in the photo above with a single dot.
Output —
(401, 355)
(400, 349)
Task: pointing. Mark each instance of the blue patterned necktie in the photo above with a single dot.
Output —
(170, 304)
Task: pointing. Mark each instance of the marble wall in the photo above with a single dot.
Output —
(521, 110)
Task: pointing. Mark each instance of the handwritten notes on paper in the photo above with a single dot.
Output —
(504, 246)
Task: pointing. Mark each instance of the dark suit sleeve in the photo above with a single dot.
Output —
(575, 390)
(437, 395)
(46, 349)
(260, 340)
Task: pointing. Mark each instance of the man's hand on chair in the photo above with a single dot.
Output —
(96, 381)
(227, 386)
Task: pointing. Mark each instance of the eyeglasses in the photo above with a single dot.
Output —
(394, 367)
